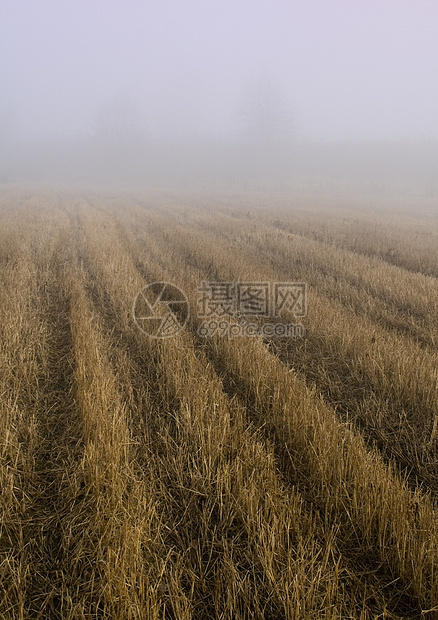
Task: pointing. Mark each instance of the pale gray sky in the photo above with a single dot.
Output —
(351, 69)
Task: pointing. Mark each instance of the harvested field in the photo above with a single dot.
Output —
(194, 476)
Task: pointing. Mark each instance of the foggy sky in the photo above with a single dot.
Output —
(351, 69)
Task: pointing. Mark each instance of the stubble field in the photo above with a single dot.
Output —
(195, 477)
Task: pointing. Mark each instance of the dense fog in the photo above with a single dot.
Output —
(200, 91)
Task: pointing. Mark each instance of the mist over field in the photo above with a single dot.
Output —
(219, 309)
(242, 93)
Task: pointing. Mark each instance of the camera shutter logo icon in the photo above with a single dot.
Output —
(161, 310)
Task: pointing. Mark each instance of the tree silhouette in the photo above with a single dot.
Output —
(265, 113)
(118, 122)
